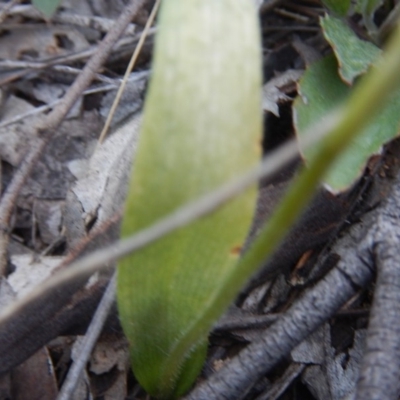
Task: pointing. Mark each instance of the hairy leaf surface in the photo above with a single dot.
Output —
(201, 127)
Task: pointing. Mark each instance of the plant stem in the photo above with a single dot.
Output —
(366, 100)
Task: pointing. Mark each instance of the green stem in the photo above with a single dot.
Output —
(365, 101)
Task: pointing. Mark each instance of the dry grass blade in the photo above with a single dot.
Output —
(86, 266)
(92, 334)
(129, 69)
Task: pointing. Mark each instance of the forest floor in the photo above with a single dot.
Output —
(300, 330)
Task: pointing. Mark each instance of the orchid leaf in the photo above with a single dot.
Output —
(47, 7)
(354, 55)
(201, 128)
(320, 91)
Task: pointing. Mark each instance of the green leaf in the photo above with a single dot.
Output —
(354, 55)
(340, 7)
(201, 127)
(320, 91)
(47, 7)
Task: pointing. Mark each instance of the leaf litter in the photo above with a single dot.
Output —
(76, 187)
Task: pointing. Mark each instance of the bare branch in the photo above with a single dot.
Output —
(93, 333)
(317, 305)
(380, 374)
(355, 269)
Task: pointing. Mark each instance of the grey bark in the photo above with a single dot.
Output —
(370, 242)
(380, 371)
(354, 270)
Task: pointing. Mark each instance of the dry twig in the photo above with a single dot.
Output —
(47, 128)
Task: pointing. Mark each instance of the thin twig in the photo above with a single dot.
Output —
(53, 120)
(122, 44)
(98, 59)
(267, 5)
(354, 270)
(9, 198)
(96, 325)
(67, 58)
(281, 385)
(128, 71)
(388, 25)
(317, 305)
(98, 89)
(101, 259)
(98, 23)
(88, 343)
(227, 323)
(5, 10)
(66, 69)
(43, 319)
(380, 373)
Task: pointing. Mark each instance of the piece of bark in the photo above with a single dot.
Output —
(380, 374)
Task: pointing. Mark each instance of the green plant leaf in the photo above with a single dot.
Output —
(47, 7)
(354, 55)
(320, 91)
(340, 7)
(201, 127)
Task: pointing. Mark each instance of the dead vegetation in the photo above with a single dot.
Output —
(300, 324)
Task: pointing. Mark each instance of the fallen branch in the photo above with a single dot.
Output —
(380, 373)
(315, 307)
(354, 270)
